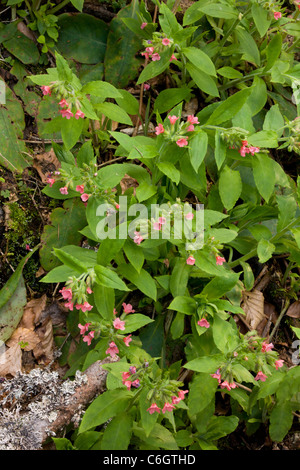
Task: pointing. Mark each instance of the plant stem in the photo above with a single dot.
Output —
(58, 7)
(283, 311)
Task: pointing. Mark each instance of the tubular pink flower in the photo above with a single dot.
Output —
(267, 347)
(63, 190)
(128, 384)
(190, 261)
(119, 324)
(127, 308)
(150, 50)
(146, 86)
(156, 226)
(86, 307)
(216, 375)
(225, 384)
(173, 119)
(182, 142)
(166, 42)
(173, 57)
(145, 54)
(69, 305)
(46, 90)
(204, 323)
(220, 260)
(159, 129)
(66, 293)
(125, 376)
(79, 114)
(136, 383)
(181, 394)
(189, 216)
(279, 363)
(138, 238)
(192, 119)
(153, 408)
(80, 188)
(168, 407)
(277, 15)
(127, 340)
(63, 103)
(191, 128)
(50, 181)
(84, 328)
(155, 56)
(67, 113)
(143, 25)
(89, 290)
(112, 350)
(260, 376)
(84, 197)
(162, 220)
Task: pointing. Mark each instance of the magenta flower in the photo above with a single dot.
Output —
(69, 305)
(166, 42)
(63, 103)
(127, 308)
(88, 338)
(46, 90)
(260, 376)
(220, 260)
(204, 323)
(119, 324)
(267, 347)
(173, 119)
(80, 188)
(127, 340)
(50, 181)
(125, 376)
(84, 328)
(277, 15)
(86, 307)
(150, 50)
(192, 119)
(112, 350)
(159, 129)
(143, 25)
(89, 290)
(27, 247)
(132, 369)
(168, 407)
(67, 113)
(216, 375)
(66, 293)
(181, 394)
(128, 384)
(155, 56)
(191, 128)
(79, 114)
(153, 408)
(279, 363)
(63, 190)
(182, 142)
(173, 57)
(227, 385)
(145, 54)
(146, 86)
(190, 261)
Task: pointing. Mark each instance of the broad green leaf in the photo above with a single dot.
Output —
(265, 249)
(248, 46)
(135, 321)
(273, 51)
(184, 304)
(155, 68)
(134, 254)
(218, 10)
(167, 99)
(202, 80)
(159, 438)
(229, 72)
(201, 60)
(264, 175)
(198, 148)
(108, 278)
(169, 169)
(168, 21)
(229, 108)
(224, 334)
(281, 420)
(264, 139)
(12, 310)
(202, 390)
(108, 249)
(147, 420)
(220, 150)
(287, 206)
(128, 102)
(118, 433)
(270, 386)
(274, 120)
(142, 280)
(71, 130)
(101, 89)
(78, 4)
(219, 286)
(179, 277)
(104, 299)
(261, 18)
(114, 112)
(230, 187)
(221, 426)
(207, 364)
(12, 150)
(69, 260)
(111, 403)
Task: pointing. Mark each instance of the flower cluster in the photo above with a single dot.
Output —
(154, 47)
(89, 336)
(245, 148)
(68, 108)
(177, 131)
(119, 325)
(76, 293)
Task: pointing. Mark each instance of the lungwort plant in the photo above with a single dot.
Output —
(170, 258)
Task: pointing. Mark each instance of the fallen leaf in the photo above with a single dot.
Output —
(253, 306)
(44, 349)
(45, 163)
(28, 338)
(33, 312)
(10, 360)
(294, 310)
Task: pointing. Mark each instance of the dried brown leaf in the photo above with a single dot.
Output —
(23, 335)
(294, 310)
(44, 163)
(253, 306)
(10, 360)
(44, 349)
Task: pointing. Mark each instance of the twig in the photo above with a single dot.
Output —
(282, 313)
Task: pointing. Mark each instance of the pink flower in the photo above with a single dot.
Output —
(87, 339)
(155, 56)
(50, 181)
(279, 363)
(166, 42)
(46, 90)
(190, 261)
(132, 369)
(145, 54)
(84, 197)
(66, 293)
(204, 323)
(168, 407)
(115, 312)
(150, 50)
(181, 394)
(159, 129)
(138, 238)
(136, 383)
(127, 340)
(220, 260)
(79, 114)
(156, 226)
(119, 324)
(63, 190)
(67, 113)
(78, 306)
(254, 150)
(277, 15)
(176, 400)
(189, 216)
(84, 328)
(162, 220)
(143, 25)
(260, 376)
(69, 305)
(153, 408)
(112, 350)
(191, 128)
(192, 119)
(267, 347)
(127, 308)
(173, 57)
(173, 119)
(125, 376)
(182, 142)
(27, 247)
(86, 307)
(227, 385)
(216, 375)
(63, 103)
(128, 384)
(80, 188)
(89, 290)
(146, 86)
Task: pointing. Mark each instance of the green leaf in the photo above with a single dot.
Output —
(111, 403)
(108, 249)
(287, 206)
(23, 48)
(155, 68)
(147, 420)
(70, 261)
(230, 187)
(104, 299)
(264, 139)
(184, 304)
(169, 169)
(261, 18)
(265, 249)
(205, 364)
(200, 60)
(220, 150)
(71, 130)
(281, 420)
(128, 102)
(220, 426)
(264, 175)
(170, 97)
(225, 335)
(202, 391)
(134, 254)
(202, 80)
(12, 150)
(78, 4)
(229, 108)
(82, 38)
(179, 277)
(229, 72)
(218, 10)
(108, 278)
(219, 286)
(274, 120)
(12, 310)
(273, 51)
(248, 46)
(117, 435)
(114, 112)
(198, 148)
(101, 89)
(135, 321)
(142, 280)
